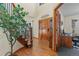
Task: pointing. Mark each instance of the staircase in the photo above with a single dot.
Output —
(9, 7)
(20, 39)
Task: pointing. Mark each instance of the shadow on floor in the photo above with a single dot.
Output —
(68, 52)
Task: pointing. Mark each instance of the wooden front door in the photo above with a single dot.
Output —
(45, 32)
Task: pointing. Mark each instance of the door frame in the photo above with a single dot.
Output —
(54, 25)
(47, 18)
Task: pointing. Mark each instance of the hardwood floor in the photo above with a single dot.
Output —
(40, 48)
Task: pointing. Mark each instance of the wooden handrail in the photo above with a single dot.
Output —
(13, 5)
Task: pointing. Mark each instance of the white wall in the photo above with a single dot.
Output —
(45, 9)
(68, 24)
(31, 17)
(69, 9)
(29, 7)
(17, 46)
(4, 44)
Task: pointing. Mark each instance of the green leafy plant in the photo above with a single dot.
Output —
(12, 24)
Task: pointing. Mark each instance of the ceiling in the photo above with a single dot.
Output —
(69, 9)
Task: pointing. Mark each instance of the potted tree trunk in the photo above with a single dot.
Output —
(12, 24)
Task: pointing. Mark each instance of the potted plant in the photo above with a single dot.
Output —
(12, 24)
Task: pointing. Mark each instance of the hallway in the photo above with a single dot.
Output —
(40, 48)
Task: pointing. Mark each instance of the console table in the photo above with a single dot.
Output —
(67, 41)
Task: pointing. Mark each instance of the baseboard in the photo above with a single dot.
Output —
(17, 50)
(35, 37)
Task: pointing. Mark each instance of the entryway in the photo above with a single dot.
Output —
(40, 48)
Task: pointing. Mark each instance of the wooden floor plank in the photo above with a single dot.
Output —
(40, 48)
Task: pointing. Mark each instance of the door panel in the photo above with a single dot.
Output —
(44, 31)
(44, 28)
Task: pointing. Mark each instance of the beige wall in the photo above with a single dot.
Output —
(68, 24)
(4, 44)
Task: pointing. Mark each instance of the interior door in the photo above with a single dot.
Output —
(45, 32)
(44, 29)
